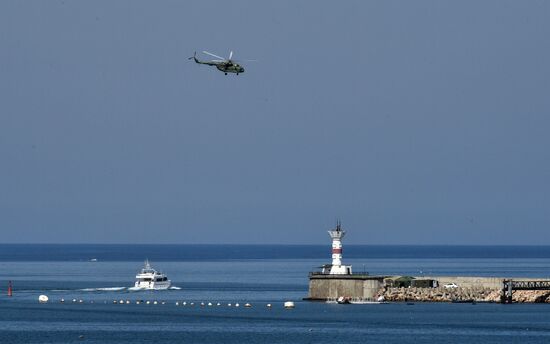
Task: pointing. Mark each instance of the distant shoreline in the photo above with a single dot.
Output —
(219, 252)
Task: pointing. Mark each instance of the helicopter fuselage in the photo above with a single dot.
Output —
(230, 68)
(226, 66)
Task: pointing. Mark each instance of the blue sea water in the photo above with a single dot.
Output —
(259, 275)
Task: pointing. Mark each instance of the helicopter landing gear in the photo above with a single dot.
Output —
(225, 73)
(237, 73)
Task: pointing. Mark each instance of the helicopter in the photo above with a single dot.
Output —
(224, 65)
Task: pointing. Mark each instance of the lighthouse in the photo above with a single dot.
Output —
(336, 268)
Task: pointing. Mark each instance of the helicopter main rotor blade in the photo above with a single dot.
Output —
(241, 61)
(216, 56)
(230, 55)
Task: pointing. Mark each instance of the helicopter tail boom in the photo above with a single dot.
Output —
(209, 63)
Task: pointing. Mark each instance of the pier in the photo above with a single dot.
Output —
(508, 287)
(336, 280)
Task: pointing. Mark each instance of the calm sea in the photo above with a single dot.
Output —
(258, 275)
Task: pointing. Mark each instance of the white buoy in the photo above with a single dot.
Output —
(184, 303)
(74, 300)
(209, 303)
(177, 303)
(289, 305)
(237, 305)
(229, 305)
(247, 305)
(269, 305)
(62, 300)
(218, 304)
(43, 299)
(80, 301)
(127, 302)
(192, 304)
(137, 302)
(148, 302)
(155, 303)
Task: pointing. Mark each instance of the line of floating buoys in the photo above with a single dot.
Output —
(286, 305)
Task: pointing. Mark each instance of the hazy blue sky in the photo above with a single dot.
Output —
(415, 122)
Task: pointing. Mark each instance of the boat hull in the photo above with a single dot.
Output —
(153, 285)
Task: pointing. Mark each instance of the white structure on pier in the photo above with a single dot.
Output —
(336, 268)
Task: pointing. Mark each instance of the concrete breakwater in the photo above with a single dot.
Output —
(324, 287)
(336, 281)
(461, 295)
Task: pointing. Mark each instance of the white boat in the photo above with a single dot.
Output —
(364, 302)
(355, 301)
(151, 279)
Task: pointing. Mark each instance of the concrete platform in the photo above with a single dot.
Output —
(324, 287)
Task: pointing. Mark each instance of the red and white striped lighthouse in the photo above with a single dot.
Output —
(337, 268)
(337, 235)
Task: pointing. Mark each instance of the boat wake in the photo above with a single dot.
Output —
(136, 289)
(104, 289)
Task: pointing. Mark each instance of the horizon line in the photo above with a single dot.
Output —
(262, 244)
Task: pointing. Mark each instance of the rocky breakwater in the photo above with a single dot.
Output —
(459, 294)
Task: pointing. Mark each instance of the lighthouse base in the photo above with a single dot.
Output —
(332, 269)
(323, 287)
